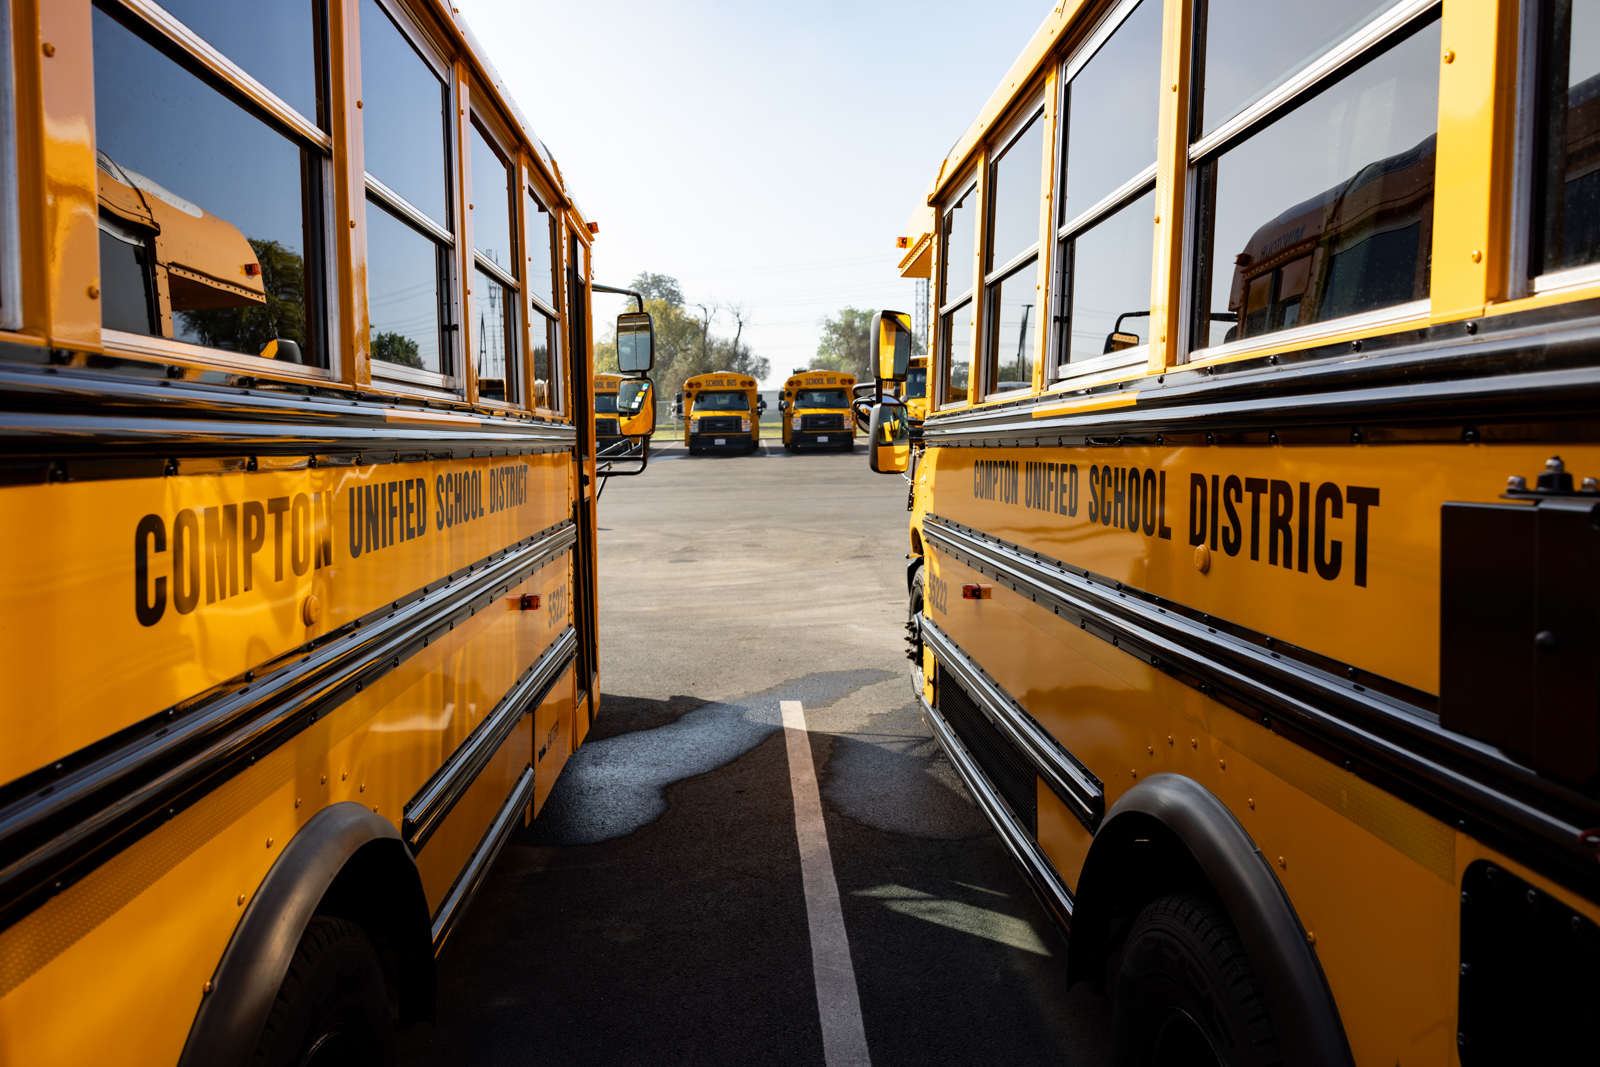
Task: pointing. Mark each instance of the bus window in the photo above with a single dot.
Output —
(209, 216)
(1014, 231)
(494, 289)
(1568, 210)
(1108, 121)
(821, 398)
(1328, 211)
(276, 43)
(917, 383)
(1253, 46)
(540, 232)
(408, 218)
(955, 295)
(711, 401)
(955, 329)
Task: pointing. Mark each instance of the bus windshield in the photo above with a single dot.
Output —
(820, 398)
(605, 403)
(917, 383)
(722, 402)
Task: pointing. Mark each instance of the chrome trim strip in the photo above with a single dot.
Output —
(1348, 50)
(1069, 779)
(1129, 190)
(494, 270)
(1024, 850)
(472, 876)
(1401, 747)
(1013, 265)
(426, 812)
(402, 207)
(221, 66)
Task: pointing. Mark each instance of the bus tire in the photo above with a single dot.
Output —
(1185, 991)
(333, 1005)
(919, 589)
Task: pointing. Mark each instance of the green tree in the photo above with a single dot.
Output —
(397, 348)
(658, 287)
(248, 328)
(845, 344)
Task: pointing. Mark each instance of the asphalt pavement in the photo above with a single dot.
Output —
(654, 913)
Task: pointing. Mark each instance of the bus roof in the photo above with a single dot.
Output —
(820, 377)
(720, 379)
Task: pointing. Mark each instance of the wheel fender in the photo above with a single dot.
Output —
(912, 566)
(1303, 1009)
(245, 983)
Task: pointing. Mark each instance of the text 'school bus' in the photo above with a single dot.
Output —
(816, 411)
(619, 411)
(720, 413)
(298, 476)
(1256, 522)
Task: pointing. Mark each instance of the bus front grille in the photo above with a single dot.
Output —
(607, 428)
(1007, 769)
(822, 422)
(725, 424)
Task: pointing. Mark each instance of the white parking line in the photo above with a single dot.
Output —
(844, 1040)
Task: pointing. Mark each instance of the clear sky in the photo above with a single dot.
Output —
(761, 154)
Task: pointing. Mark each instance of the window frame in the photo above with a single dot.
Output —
(1526, 278)
(970, 185)
(531, 184)
(1059, 371)
(986, 352)
(1322, 72)
(491, 127)
(10, 211)
(192, 53)
(451, 382)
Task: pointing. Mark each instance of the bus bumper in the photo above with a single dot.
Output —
(821, 438)
(722, 442)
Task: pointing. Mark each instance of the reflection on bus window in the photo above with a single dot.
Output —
(276, 42)
(206, 213)
(960, 237)
(821, 398)
(1250, 47)
(403, 116)
(917, 383)
(712, 401)
(1352, 169)
(494, 302)
(542, 336)
(541, 257)
(403, 297)
(1011, 327)
(1014, 195)
(1105, 282)
(955, 330)
(491, 305)
(1569, 179)
(1109, 113)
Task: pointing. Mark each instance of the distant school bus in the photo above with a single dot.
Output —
(816, 411)
(721, 413)
(916, 388)
(1255, 533)
(619, 412)
(299, 502)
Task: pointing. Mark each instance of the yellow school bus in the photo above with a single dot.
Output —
(816, 411)
(721, 413)
(1255, 534)
(299, 518)
(916, 388)
(619, 411)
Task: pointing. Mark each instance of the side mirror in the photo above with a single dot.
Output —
(889, 438)
(783, 405)
(891, 345)
(636, 406)
(636, 342)
(761, 405)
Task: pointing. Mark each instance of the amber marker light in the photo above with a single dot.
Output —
(524, 602)
(979, 591)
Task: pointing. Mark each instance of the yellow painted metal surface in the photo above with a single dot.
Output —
(229, 562)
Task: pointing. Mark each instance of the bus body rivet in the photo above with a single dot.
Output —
(241, 900)
(207, 987)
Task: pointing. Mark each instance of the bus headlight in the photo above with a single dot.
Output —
(794, 423)
(744, 424)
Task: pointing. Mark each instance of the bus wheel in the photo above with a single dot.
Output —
(1186, 994)
(919, 587)
(333, 1006)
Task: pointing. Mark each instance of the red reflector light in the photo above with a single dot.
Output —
(525, 602)
(976, 592)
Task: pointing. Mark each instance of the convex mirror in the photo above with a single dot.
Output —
(636, 342)
(636, 405)
(891, 345)
(889, 438)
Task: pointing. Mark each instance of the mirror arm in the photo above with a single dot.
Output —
(597, 287)
(606, 469)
